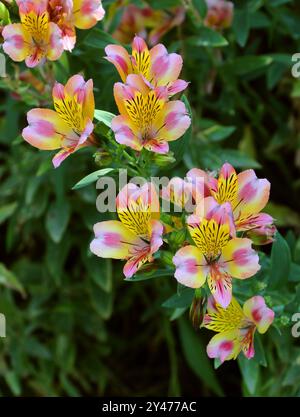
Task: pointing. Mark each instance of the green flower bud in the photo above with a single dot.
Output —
(102, 158)
(163, 160)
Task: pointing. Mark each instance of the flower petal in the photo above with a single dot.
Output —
(224, 346)
(191, 267)
(175, 121)
(165, 67)
(253, 193)
(56, 45)
(238, 258)
(15, 42)
(119, 57)
(114, 240)
(121, 127)
(256, 310)
(47, 130)
(220, 286)
(87, 13)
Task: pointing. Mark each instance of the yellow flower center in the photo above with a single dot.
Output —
(141, 62)
(144, 110)
(136, 217)
(71, 112)
(37, 26)
(227, 189)
(225, 319)
(210, 237)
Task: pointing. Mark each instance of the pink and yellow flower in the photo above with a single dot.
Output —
(216, 258)
(157, 66)
(138, 233)
(146, 22)
(36, 38)
(236, 327)
(219, 14)
(147, 119)
(246, 194)
(72, 14)
(68, 127)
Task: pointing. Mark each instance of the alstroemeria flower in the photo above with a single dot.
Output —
(236, 327)
(72, 14)
(246, 193)
(178, 192)
(216, 257)
(219, 14)
(146, 22)
(138, 233)
(147, 119)
(68, 127)
(157, 66)
(35, 39)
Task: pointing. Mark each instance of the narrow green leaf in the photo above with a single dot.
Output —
(184, 299)
(7, 211)
(280, 263)
(104, 117)
(196, 356)
(250, 373)
(57, 219)
(93, 177)
(8, 279)
(208, 37)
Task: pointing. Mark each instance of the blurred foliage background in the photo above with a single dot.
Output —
(74, 327)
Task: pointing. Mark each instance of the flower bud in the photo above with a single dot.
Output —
(197, 309)
(163, 160)
(219, 14)
(102, 158)
(262, 235)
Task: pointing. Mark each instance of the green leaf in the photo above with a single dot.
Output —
(57, 219)
(94, 176)
(294, 275)
(247, 64)
(241, 25)
(101, 301)
(104, 117)
(259, 356)
(182, 300)
(250, 373)
(280, 263)
(217, 133)
(196, 356)
(9, 280)
(98, 39)
(145, 275)
(7, 211)
(208, 37)
(100, 271)
(201, 7)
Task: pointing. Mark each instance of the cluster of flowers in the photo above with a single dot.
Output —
(148, 118)
(226, 209)
(227, 218)
(48, 27)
